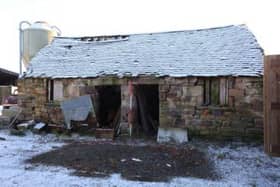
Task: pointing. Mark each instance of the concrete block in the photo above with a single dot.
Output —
(177, 135)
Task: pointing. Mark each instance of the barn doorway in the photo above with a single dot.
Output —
(147, 113)
(107, 106)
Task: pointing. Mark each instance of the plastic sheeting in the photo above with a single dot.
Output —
(77, 109)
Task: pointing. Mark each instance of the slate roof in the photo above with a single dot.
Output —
(224, 51)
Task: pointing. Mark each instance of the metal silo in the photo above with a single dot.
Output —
(33, 37)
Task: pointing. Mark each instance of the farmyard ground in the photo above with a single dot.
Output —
(238, 164)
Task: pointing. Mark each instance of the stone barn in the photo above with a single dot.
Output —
(204, 82)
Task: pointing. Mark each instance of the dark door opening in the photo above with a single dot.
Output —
(107, 106)
(147, 113)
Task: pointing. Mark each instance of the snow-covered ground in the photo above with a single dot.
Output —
(246, 165)
(239, 165)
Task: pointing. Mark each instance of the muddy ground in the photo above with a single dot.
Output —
(154, 162)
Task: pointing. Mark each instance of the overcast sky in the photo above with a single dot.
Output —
(92, 17)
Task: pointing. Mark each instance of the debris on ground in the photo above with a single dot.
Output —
(17, 132)
(104, 133)
(22, 126)
(10, 110)
(4, 121)
(55, 128)
(168, 165)
(39, 127)
(15, 117)
(2, 138)
(27, 125)
(136, 160)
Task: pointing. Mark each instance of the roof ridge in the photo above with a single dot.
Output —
(152, 33)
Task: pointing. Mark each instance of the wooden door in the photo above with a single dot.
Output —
(272, 105)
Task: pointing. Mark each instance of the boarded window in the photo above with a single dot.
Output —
(55, 90)
(215, 91)
(223, 91)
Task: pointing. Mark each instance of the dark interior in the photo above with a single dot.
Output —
(107, 106)
(7, 80)
(147, 120)
(8, 77)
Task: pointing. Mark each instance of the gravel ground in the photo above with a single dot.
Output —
(238, 164)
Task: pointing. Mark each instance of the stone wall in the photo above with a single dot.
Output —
(181, 106)
(181, 103)
(33, 98)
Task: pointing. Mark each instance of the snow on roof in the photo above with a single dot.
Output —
(224, 51)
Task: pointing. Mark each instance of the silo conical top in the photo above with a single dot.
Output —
(35, 37)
